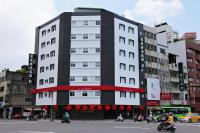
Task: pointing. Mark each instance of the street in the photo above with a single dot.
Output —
(107, 126)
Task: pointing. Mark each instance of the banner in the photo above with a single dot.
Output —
(153, 89)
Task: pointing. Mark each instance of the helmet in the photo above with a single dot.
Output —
(170, 113)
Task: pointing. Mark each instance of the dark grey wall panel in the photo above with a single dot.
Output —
(108, 97)
(63, 97)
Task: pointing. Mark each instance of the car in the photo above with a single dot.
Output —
(190, 117)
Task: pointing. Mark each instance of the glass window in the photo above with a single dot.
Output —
(40, 95)
(72, 64)
(98, 22)
(42, 57)
(41, 69)
(72, 93)
(73, 36)
(97, 93)
(85, 64)
(52, 53)
(51, 80)
(122, 27)
(132, 68)
(48, 30)
(122, 53)
(123, 80)
(84, 93)
(51, 66)
(131, 30)
(97, 36)
(122, 66)
(131, 55)
(85, 50)
(85, 22)
(122, 94)
(85, 78)
(131, 42)
(48, 43)
(122, 39)
(43, 45)
(53, 40)
(97, 50)
(131, 80)
(97, 78)
(50, 94)
(73, 50)
(53, 28)
(85, 36)
(132, 94)
(43, 32)
(72, 78)
(73, 22)
(97, 64)
(41, 82)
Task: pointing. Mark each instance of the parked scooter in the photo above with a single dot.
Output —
(65, 118)
(120, 118)
(164, 126)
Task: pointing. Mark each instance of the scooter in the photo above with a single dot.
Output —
(65, 120)
(120, 118)
(161, 127)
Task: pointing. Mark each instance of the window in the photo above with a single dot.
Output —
(131, 30)
(132, 94)
(48, 43)
(72, 64)
(85, 50)
(52, 53)
(50, 94)
(71, 93)
(43, 45)
(2, 89)
(40, 95)
(47, 68)
(97, 50)
(97, 78)
(73, 36)
(98, 22)
(131, 80)
(43, 32)
(47, 55)
(97, 93)
(73, 50)
(122, 39)
(84, 93)
(132, 68)
(72, 78)
(46, 81)
(73, 22)
(122, 94)
(162, 50)
(85, 22)
(51, 66)
(131, 42)
(97, 64)
(85, 64)
(53, 28)
(85, 36)
(123, 80)
(122, 53)
(51, 80)
(84, 78)
(53, 40)
(122, 27)
(131, 55)
(48, 30)
(41, 82)
(122, 66)
(41, 69)
(97, 36)
(45, 94)
(43, 57)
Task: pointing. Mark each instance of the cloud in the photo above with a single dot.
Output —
(154, 11)
(18, 20)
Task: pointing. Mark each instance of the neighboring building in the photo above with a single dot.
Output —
(193, 65)
(90, 59)
(14, 93)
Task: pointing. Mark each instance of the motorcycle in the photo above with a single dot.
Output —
(66, 120)
(120, 118)
(163, 126)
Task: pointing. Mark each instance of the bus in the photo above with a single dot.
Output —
(177, 111)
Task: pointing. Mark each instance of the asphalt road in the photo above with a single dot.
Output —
(41, 126)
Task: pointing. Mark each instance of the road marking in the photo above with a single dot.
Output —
(14, 123)
(144, 128)
(33, 132)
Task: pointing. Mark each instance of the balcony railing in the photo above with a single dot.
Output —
(176, 102)
(174, 79)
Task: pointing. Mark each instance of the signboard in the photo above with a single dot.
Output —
(165, 96)
(153, 103)
(153, 89)
(181, 77)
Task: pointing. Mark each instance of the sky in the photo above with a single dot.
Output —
(19, 18)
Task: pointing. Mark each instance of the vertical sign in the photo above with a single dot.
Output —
(181, 76)
(32, 69)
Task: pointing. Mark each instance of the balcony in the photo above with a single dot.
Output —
(174, 79)
(173, 68)
(189, 55)
(176, 102)
(190, 64)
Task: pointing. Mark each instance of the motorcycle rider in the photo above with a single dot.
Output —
(170, 119)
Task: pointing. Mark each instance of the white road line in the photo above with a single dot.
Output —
(33, 132)
(14, 123)
(132, 127)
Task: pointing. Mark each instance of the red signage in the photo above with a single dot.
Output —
(153, 103)
(165, 96)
